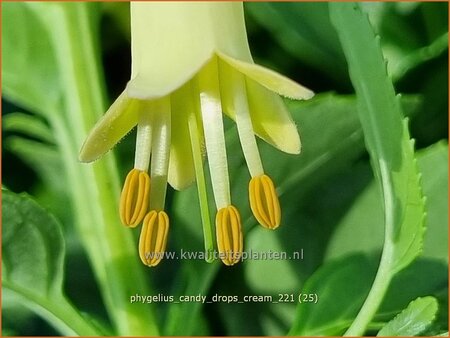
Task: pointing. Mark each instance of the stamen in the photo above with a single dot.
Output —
(229, 235)
(160, 153)
(244, 124)
(153, 239)
(211, 109)
(134, 197)
(143, 139)
(264, 202)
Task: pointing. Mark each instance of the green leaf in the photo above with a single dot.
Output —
(387, 140)
(16, 317)
(364, 219)
(267, 276)
(412, 321)
(341, 287)
(343, 284)
(32, 264)
(43, 158)
(420, 56)
(404, 44)
(424, 277)
(28, 125)
(433, 164)
(34, 85)
(304, 30)
(198, 278)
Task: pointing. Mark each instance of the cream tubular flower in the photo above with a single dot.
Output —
(190, 63)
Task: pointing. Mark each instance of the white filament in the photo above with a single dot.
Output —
(211, 111)
(245, 127)
(143, 139)
(160, 153)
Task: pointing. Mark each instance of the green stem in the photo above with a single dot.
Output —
(61, 313)
(95, 188)
(391, 152)
(385, 269)
(375, 297)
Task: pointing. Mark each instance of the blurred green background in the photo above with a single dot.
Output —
(330, 204)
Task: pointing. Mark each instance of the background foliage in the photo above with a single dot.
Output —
(332, 206)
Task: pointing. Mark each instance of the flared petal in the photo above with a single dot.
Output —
(270, 118)
(270, 79)
(181, 163)
(120, 118)
(171, 41)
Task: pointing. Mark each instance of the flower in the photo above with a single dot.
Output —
(191, 62)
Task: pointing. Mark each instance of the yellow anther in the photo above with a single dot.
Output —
(153, 239)
(229, 235)
(264, 202)
(134, 197)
